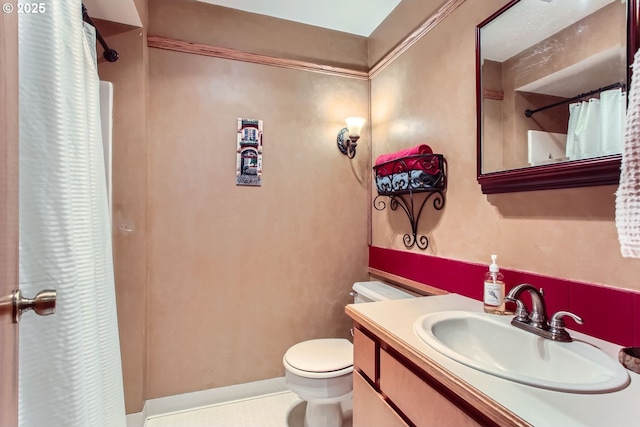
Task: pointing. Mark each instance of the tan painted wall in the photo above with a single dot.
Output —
(406, 17)
(130, 81)
(217, 319)
(305, 178)
(598, 32)
(504, 125)
(143, 10)
(593, 34)
(516, 124)
(201, 22)
(567, 233)
(250, 271)
(492, 130)
(238, 274)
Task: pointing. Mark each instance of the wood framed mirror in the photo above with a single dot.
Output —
(537, 63)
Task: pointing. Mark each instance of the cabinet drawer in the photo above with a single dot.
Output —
(364, 354)
(370, 409)
(422, 404)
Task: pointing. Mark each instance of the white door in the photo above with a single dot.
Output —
(8, 216)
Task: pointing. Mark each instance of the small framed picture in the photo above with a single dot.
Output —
(249, 152)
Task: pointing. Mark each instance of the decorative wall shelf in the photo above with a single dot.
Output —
(400, 179)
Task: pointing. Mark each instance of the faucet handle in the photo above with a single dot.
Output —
(522, 314)
(556, 319)
(557, 326)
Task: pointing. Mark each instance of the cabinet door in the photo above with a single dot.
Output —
(421, 403)
(364, 354)
(370, 409)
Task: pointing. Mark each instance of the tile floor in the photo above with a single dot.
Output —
(283, 409)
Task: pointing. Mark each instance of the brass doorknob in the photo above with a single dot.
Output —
(44, 303)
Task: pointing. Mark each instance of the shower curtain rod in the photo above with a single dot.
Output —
(530, 113)
(109, 54)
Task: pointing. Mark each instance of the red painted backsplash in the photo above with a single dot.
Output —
(610, 314)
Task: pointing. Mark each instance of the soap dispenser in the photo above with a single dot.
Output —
(494, 289)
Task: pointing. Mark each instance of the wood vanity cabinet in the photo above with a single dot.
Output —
(390, 391)
(369, 407)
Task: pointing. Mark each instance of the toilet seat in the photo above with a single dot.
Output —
(320, 358)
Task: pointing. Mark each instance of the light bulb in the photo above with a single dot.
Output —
(354, 124)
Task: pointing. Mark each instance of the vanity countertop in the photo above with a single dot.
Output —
(393, 321)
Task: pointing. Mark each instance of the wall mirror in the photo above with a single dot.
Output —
(551, 85)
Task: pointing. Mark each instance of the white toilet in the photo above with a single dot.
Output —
(321, 371)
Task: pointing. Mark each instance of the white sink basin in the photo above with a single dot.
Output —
(489, 343)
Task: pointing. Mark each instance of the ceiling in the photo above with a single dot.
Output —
(598, 70)
(122, 11)
(359, 17)
(530, 22)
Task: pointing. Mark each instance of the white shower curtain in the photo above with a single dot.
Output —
(596, 126)
(70, 371)
(613, 107)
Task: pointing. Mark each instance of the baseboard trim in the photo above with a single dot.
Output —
(138, 419)
(198, 399)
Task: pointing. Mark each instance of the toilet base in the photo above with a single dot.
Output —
(320, 414)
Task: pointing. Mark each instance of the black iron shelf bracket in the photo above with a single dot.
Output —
(406, 202)
(401, 179)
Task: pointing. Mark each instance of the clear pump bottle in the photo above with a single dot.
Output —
(494, 289)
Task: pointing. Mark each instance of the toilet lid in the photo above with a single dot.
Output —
(323, 355)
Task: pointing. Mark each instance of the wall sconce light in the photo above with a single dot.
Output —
(348, 137)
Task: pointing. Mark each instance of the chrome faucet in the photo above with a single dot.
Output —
(537, 321)
(538, 317)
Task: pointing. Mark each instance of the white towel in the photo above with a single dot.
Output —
(628, 194)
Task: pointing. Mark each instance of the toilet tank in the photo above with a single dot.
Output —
(377, 291)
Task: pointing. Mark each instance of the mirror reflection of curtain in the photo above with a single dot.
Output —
(574, 113)
(613, 106)
(596, 126)
(586, 136)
